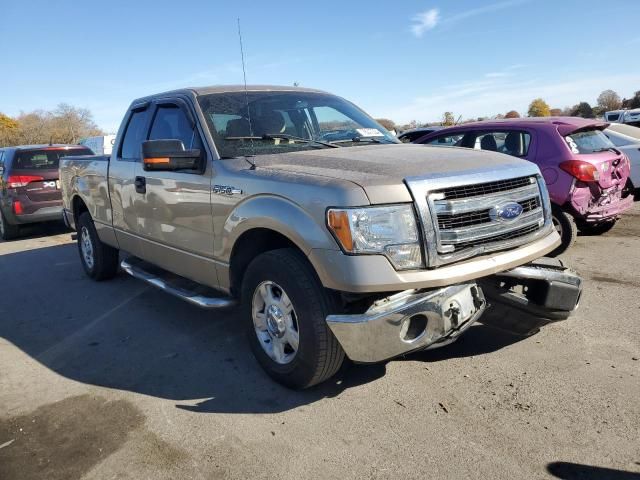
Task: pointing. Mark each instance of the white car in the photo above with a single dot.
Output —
(623, 116)
(627, 139)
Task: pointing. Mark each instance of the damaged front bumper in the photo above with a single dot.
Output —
(415, 320)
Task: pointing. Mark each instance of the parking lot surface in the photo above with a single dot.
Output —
(118, 380)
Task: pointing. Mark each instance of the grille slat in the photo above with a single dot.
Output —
(448, 222)
(466, 191)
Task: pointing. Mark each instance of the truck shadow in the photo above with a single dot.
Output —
(125, 335)
(576, 471)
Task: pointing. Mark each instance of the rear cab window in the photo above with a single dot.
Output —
(44, 159)
(588, 141)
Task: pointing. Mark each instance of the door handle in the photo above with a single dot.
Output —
(141, 184)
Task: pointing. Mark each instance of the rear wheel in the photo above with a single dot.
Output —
(596, 229)
(8, 230)
(99, 260)
(285, 308)
(566, 228)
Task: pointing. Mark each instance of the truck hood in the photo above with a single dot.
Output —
(381, 169)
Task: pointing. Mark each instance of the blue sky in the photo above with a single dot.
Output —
(403, 60)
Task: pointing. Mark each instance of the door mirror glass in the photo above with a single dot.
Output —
(159, 155)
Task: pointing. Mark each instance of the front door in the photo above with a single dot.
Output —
(173, 209)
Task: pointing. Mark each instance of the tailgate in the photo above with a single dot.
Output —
(44, 185)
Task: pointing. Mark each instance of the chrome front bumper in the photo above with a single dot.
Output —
(408, 321)
(522, 300)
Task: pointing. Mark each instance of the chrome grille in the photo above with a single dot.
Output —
(464, 220)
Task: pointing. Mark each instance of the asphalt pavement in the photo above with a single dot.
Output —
(119, 380)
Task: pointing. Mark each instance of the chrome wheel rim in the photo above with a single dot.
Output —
(86, 247)
(275, 322)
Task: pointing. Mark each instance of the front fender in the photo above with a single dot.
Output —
(278, 214)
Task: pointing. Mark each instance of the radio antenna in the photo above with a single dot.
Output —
(246, 95)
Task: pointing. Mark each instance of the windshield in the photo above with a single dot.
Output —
(281, 122)
(588, 141)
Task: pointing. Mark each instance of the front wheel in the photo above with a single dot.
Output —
(566, 228)
(99, 260)
(285, 308)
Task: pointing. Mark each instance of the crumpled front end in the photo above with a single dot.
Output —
(521, 300)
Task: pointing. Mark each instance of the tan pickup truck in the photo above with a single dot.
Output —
(334, 238)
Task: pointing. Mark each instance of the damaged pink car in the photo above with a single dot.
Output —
(585, 174)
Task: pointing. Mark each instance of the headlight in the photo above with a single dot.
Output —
(389, 230)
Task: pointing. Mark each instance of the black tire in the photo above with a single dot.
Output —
(319, 355)
(597, 229)
(104, 264)
(566, 227)
(8, 231)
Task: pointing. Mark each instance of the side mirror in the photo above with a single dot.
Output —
(167, 155)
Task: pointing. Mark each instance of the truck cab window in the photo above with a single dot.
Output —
(170, 122)
(134, 136)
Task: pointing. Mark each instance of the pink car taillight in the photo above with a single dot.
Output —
(583, 171)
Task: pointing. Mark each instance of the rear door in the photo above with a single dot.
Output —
(174, 216)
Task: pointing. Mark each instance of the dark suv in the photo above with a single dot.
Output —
(29, 185)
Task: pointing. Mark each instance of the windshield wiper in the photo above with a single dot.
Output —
(284, 136)
(360, 139)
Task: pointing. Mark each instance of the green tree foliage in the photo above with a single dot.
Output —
(538, 108)
(512, 114)
(583, 109)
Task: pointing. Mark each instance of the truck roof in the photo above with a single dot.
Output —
(231, 88)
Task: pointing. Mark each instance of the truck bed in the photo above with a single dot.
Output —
(86, 176)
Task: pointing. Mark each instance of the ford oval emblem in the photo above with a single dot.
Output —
(506, 212)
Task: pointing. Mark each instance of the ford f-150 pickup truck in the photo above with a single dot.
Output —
(334, 238)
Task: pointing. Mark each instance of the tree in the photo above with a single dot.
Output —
(386, 123)
(8, 130)
(448, 119)
(512, 114)
(555, 112)
(609, 100)
(538, 108)
(633, 102)
(70, 124)
(583, 109)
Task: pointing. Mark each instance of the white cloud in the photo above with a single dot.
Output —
(489, 96)
(428, 19)
(425, 21)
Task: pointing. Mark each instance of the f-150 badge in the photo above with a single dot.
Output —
(225, 190)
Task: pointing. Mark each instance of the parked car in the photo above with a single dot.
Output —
(409, 136)
(100, 145)
(631, 117)
(335, 238)
(627, 139)
(29, 185)
(584, 172)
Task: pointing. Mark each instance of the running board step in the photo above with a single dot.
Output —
(192, 292)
